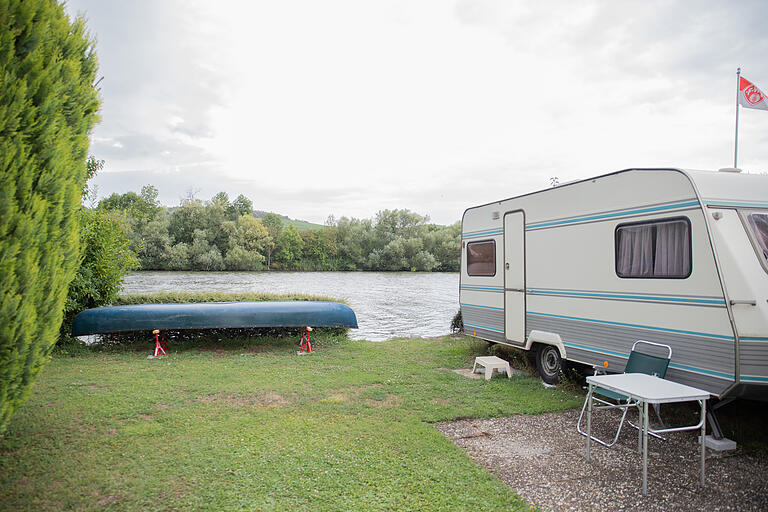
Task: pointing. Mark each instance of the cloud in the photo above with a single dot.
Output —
(161, 81)
(348, 107)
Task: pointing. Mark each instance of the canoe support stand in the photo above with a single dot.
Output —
(160, 345)
(305, 347)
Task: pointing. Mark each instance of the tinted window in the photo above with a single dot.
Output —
(758, 222)
(654, 249)
(481, 258)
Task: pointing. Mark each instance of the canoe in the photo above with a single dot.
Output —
(211, 315)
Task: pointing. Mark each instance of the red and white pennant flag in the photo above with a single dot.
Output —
(750, 96)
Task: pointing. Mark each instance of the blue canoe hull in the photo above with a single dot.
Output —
(212, 315)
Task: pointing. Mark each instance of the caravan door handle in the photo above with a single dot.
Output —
(521, 290)
(506, 266)
(744, 302)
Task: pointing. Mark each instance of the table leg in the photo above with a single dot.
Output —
(645, 448)
(589, 417)
(640, 431)
(703, 432)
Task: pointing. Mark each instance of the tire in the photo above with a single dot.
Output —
(549, 363)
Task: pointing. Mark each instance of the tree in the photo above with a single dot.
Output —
(184, 220)
(155, 245)
(47, 109)
(289, 246)
(246, 242)
(274, 225)
(242, 206)
(203, 255)
(142, 208)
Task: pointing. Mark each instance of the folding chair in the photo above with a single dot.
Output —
(638, 362)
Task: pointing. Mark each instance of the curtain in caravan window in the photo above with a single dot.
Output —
(635, 252)
(673, 252)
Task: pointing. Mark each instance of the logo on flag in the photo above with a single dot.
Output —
(750, 96)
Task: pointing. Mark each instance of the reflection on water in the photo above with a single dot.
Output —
(387, 304)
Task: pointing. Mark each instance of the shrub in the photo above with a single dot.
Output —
(47, 109)
(107, 257)
(457, 323)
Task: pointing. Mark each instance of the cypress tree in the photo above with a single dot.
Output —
(47, 109)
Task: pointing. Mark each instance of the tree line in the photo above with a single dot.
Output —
(224, 234)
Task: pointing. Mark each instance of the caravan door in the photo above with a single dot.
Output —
(514, 276)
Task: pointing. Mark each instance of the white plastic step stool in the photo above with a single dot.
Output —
(491, 363)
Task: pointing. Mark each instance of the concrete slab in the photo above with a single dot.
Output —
(718, 445)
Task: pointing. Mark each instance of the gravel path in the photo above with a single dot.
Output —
(542, 459)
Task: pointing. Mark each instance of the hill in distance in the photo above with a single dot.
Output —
(300, 225)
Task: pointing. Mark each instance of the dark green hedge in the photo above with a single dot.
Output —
(47, 109)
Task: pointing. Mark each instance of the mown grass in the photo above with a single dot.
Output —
(177, 297)
(244, 425)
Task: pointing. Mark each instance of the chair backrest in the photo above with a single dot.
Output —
(639, 362)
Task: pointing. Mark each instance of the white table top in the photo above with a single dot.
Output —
(648, 388)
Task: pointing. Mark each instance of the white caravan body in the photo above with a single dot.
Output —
(665, 255)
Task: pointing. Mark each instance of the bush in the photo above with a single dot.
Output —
(107, 257)
(457, 323)
(47, 109)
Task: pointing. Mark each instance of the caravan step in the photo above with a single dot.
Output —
(491, 363)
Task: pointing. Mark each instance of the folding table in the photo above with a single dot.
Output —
(647, 389)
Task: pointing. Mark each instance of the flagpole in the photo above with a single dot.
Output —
(736, 138)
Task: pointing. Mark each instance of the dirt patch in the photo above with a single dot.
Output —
(391, 400)
(108, 500)
(543, 459)
(267, 400)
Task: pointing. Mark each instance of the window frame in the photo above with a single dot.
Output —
(743, 215)
(651, 223)
(490, 240)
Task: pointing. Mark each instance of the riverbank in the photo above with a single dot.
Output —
(387, 304)
(236, 425)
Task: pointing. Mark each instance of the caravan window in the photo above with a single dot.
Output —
(658, 249)
(481, 258)
(758, 223)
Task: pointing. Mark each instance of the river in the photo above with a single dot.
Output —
(387, 304)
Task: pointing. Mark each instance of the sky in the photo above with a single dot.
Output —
(348, 107)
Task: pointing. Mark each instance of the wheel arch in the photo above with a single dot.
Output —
(545, 338)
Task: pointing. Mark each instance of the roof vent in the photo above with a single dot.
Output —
(730, 169)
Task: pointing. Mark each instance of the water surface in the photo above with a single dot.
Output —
(387, 304)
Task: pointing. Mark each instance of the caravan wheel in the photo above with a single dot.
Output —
(548, 362)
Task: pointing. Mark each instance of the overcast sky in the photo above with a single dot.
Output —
(312, 108)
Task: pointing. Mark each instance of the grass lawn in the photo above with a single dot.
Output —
(249, 425)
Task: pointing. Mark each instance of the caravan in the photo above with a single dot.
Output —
(581, 271)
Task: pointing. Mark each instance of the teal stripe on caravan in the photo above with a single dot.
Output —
(482, 233)
(482, 288)
(638, 326)
(593, 349)
(718, 302)
(479, 306)
(736, 204)
(703, 371)
(485, 327)
(623, 213)
(753, 378)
